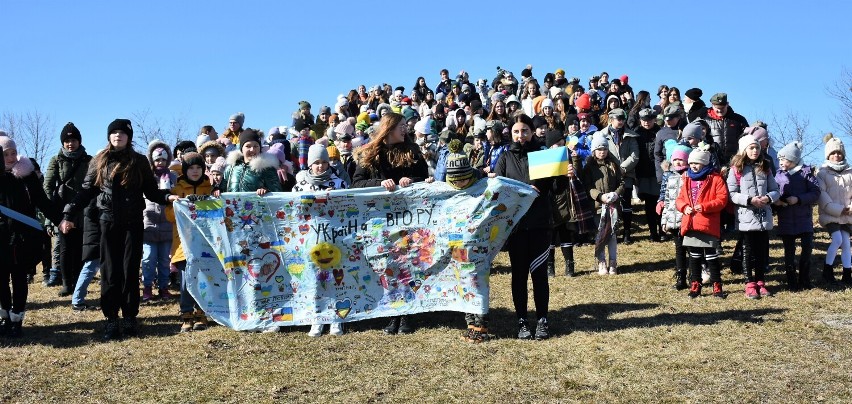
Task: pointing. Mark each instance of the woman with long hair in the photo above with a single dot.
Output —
(643, 100)
(499, 113)
(391, 158)
(421, 88)
(354, 103)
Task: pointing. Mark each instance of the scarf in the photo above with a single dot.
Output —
(164, 178)
(582, 205)
(74, 155)
(836, 166)
(697, 176)
(319, 180)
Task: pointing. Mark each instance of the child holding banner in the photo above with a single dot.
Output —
(21, 192)
(603, 177)
(388, 160)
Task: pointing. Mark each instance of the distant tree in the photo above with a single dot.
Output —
(841, 90)
(148, 127)
(793, 127)
(33, 131)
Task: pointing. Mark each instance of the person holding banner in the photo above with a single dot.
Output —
(20, 235)
(388, 160)
(529, 245)
(120, 179)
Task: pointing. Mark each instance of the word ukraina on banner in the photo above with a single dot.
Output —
(296, 258)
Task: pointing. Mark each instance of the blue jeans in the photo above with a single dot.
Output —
(90, 268)
(155, 263)
(187, 303)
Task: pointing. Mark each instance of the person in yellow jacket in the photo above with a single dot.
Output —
(235, 127)
(192, 182)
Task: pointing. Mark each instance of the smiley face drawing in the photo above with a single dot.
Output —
(325, 255)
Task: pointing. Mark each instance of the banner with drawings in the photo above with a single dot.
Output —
(347, 255)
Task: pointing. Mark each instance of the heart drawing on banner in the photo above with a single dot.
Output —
(264, 268)
(343, 307)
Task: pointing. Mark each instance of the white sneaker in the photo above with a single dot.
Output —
(613, 268)
(335, 329)
(316, 330)
(602, 267)
(273, 328)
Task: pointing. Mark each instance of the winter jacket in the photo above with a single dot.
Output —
(233, 136)
(494, 154)
(646, 172)
(368, 177)
(337, 165)
(726, 131)
(627, 151)
(835, 195)
(746, 185)
(671, 217)
(261, 172)
(602, 177)
(156, 228)
(304, 185)
(697, 110)
(183, 189)
(514, 164)
(801, 183)
(21, 190)
(712, 196)
(66, 174)
(91, 232)
(116, 202)
(664, 134)
(211, 145)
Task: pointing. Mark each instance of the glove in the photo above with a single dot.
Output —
(194, 197)
(660, 206)
(613, 197)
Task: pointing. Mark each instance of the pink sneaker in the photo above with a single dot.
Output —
(761, 287)
(751, 291)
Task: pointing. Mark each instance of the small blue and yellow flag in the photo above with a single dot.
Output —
(548, 163)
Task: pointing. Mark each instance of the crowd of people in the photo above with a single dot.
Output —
(701, 173)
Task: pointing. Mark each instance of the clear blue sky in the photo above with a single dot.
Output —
(92, 61)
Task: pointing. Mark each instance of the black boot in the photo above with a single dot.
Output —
(792, 279)
(406, 325)
(393, 326)
(551, 263)
(568, 254)
(130, 327)
(846, 278)
(828, 275)
(112, 331)
(805, 276)
(680, 279)
(628, 222)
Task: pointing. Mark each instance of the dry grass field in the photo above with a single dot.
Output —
(624, 338)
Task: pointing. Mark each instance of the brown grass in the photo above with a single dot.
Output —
(625, 338)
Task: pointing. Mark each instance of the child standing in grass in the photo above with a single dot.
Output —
(603, 177)
(701, 199)
(671, 217)
(157, 236)
(753, 188)
(799, 192)
(192, 182)
(835, 209)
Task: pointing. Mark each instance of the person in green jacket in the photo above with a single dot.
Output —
(250, 170)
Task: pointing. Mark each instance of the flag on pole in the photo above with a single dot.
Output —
(548, 163)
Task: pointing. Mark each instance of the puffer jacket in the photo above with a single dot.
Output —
(627, 152)
(671, 217)
(726, 131)
(261, 172)
(59, 169)
(21, 190)
(601, 177)
(712, 196)
(746, 185)
(801, 183)
(116, 202)
(835, 194)
(182, 189)
(156, 227)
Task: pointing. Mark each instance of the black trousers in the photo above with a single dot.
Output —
(121, 258)
(14, 298)
(807, 241)
(528, 251)
(755, 254)
(71, 257)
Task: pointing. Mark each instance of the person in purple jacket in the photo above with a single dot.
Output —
(799, 192)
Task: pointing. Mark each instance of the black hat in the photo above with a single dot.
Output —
(69, 131)
(300, 124)
(538, 122)
(122, 125)
(553, 137)
(184, 146)
(571, 118)
(249, 135)
(694, 93)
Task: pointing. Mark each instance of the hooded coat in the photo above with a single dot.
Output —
(156, 227)
(835, 195)
(260, 172)
(21, 190)
(798, 218)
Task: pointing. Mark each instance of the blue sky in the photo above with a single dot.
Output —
(92, 61)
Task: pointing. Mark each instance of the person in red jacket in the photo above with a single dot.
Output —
(703, 195)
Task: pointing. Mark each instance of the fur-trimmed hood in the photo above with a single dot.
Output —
(23, 167)
(155, 144)
(262, 161)
(212, 144)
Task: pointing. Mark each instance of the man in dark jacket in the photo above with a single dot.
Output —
(726, 126)
(693, 105)
(668, 131)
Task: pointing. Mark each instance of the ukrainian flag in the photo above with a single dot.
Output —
(548, 163)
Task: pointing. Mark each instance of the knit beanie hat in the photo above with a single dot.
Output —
(333, 153)
(300, 124)
(219, 165)
(344, 128)
(584, 102)
(832, 144)
(694, 93)
(8, 144)
(760, 134)
(249, 135)
(317, 152)
(553, 137)
(281, 151)
(745, 141)
(191, 159)
(547, 102)
(69, 131)
(423, 126)
(693, 131)
(304, 104)
(184, 146)
(699, 156)
(239, 118)
(599, 142)
(792, 152)
(680, 151)
(538, 122)
(159, 153)
(458, 165)
(409, 113)
(123, 125)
